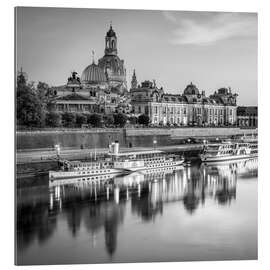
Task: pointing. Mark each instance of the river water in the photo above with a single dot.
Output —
(198, 212)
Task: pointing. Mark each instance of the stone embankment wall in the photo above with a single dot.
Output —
(100, 138)
(189, 132)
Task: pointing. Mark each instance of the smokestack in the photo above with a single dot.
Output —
(116, 148)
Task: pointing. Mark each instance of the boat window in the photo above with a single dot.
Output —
(213, 147)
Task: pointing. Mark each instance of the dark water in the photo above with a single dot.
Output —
(192, 213)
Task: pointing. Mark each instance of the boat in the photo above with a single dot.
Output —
(244, 148)
(116, 162)
(146, 175)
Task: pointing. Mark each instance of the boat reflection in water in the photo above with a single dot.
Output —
(105, 215)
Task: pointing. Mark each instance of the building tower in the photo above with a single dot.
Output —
(134, 80)
(111, 42)
(112, 66)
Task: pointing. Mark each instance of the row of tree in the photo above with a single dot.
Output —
(68, 119)
(35, 109)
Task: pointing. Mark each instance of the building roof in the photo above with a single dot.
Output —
(93, 74)
(245, 110)
(111, 32)
(191, 89)
(73, 96)
(115, 66)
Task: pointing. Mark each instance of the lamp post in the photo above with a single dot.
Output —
(154, 143)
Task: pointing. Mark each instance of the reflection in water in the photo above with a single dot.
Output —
(101, 205)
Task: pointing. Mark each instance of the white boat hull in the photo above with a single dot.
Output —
(205, 158)
(53, 175)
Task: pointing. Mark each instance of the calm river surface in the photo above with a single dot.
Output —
(191, 213)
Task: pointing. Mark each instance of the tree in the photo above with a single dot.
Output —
(68, 119)
(144, 119)
(81, 119)
(29, 108)
(120, 119)
(133, 120)
(46, 95)
(108, 119)
(42, 90)
(95, 120)
(53, 119)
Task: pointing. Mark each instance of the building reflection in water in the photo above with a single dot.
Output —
(101, 205)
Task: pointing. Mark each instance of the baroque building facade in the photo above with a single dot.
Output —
(112, 66)
(247, 116)
(100, 88)
(190, 108)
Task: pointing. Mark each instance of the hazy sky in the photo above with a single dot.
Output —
(210, 49)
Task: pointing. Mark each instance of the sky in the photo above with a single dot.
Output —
(209, 49)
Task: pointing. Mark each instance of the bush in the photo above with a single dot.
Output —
(81, 119)
(53, 119)
(133, 120)
(120, 119)
(108, 119)
(95, 120)
(68, 119)
(144, 119)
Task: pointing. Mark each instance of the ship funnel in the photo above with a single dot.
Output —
(116, 147)
(110, 148)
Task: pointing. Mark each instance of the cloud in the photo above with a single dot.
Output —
(208, 28)
(169, 16)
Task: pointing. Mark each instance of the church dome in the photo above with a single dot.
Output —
(191, 89)
(113, 65)
(93, 74)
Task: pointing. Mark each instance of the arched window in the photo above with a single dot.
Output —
(113, 44)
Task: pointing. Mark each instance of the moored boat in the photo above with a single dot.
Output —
(116, 163)
(230, 150)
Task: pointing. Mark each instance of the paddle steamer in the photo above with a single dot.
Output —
(116, 163)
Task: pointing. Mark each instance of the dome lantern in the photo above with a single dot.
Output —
(111, 42)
